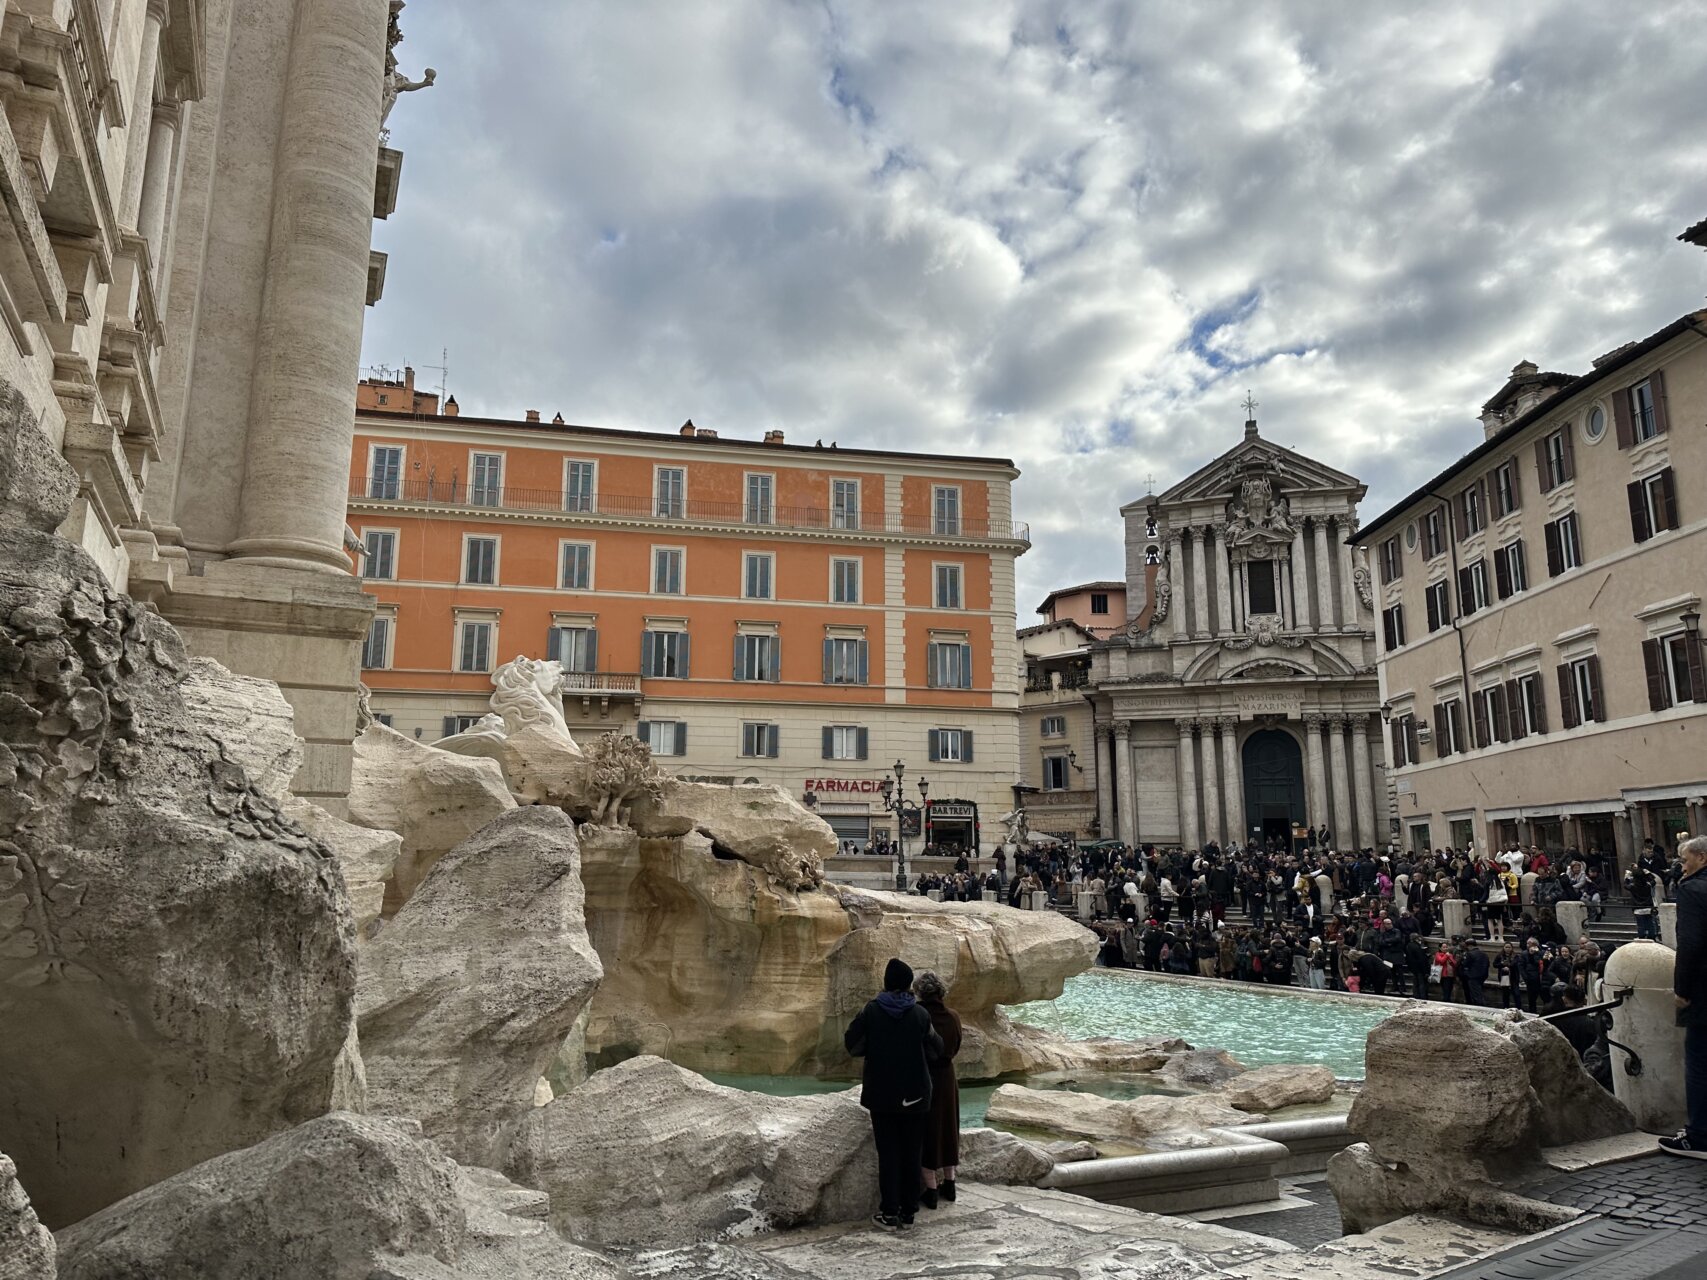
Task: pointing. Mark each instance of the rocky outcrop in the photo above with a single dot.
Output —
(1273, 1087)
(467, 994)
(1085, 1115)
(650, 1153)
(26, 1247)
(181, 951)
(343, 1197)
(1573, 1107)
(1201, 1068)
(432, 799)
(715, 965)
(763, 826)
(989, 1155)
(1448, 1116)
(368, 858)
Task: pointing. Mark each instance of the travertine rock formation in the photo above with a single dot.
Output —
(181, 952)
(433, 799)
(26, 1247)
(1447, 1115)
(468, 992)
(1201, 1068)
(343, 1197)
(713, 964)
(1574, 1108)
(1084, 1115)
(257, 726)
(764, 827)
(650, 1153)
(1273, 1087)
(989, 1155)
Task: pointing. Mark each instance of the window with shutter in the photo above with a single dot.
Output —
(1479, 718)
(1595, 708)
(1641, 521)
(376, 652)
(1654, 665)
(1665, 501)
(862, 747)
(933, 745)
(1568, 713)
(1543, 475)
(1498, 714)
(381, 559)
(1555, 558)
(1413, 741)
(1466, 594)
(1514, 703)
(1502, 574)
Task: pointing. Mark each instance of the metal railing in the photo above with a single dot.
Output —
(457, 493)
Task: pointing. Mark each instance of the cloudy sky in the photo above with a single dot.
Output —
(1072, 234)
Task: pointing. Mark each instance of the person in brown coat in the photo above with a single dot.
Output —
(942, 1126)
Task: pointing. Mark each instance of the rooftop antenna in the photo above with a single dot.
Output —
(442, 369)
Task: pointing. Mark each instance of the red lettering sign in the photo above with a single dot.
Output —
(845, 786)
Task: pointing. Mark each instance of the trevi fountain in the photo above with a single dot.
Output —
(467, 1031)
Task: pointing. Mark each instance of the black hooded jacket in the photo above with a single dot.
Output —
(898, 1045)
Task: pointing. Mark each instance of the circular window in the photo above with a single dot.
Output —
(1595, 427)
(1411, 536)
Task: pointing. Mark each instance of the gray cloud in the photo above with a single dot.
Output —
(1068, 233)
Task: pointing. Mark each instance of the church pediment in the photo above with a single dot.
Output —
(1288, 473)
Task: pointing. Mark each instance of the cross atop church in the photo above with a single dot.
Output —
(1149, 484)
(1250, 415)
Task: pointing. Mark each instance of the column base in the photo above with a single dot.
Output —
(290, 553)
(300, 628)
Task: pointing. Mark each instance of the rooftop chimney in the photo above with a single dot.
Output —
(1250, 428)
(451, 408)
(1523, 367)
(533, 415)
(773, 437)
(705, 433)
(688, 427)
(557, 420)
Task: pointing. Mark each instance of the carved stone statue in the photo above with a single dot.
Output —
(529, 691)
(395, 81)
(1018, 829)
(1365, 587)
(622, 772)
(1256, 517)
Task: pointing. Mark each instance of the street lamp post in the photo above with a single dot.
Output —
(895, 801)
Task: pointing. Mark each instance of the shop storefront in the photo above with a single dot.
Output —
(952, 825)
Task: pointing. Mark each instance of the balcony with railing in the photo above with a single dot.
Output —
(382, 490)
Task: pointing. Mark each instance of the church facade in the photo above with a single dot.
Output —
(1241, 701)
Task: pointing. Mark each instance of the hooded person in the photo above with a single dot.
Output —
(894, 1035)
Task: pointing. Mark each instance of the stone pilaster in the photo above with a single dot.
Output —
(1233, 780)
(1363, 784)
(1223, 584)
(1201, 626)
(1178, 621)
(1350, 618)
(1343, 823)
(1298, 571)
(1190, 831)
(1212, 825)
(1324, 577)
(1105, 781)
(1315, 776)
(1127, 796)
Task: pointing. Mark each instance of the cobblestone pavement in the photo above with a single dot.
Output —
(1307, 1225)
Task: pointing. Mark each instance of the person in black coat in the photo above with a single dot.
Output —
(1689, 986)
(1473, 972)
(895, 1037)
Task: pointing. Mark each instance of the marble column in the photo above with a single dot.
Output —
(1178, 621)
(296, 463)
(1300, 580)
(1105, 782)
(1315, 777)
(1212, 828)
(1283, 592)
(1349, 602)
(1187, 776)
(1324, 577)
(1126, 797)
(157, 181)
(1341, 781)
(1223, 584)
(1233, 780)
(139, 115)
(1200, 582)
(1369, 833)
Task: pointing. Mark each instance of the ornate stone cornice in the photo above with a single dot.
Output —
(1314, 721)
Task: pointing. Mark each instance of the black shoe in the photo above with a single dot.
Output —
(906, 1221)
(946, 1190)
(890, 1220)
(1681, 1146)
(927, 1197)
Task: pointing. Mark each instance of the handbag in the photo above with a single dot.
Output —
(1434, 973)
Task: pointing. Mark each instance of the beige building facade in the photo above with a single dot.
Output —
(1540, 608)
(1057, 737)
(191, 187)
(1241, 701)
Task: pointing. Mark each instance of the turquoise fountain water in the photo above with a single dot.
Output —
(1257, 1025)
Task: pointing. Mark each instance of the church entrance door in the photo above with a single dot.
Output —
(1274, 784)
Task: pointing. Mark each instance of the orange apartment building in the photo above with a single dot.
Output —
(803, 615)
